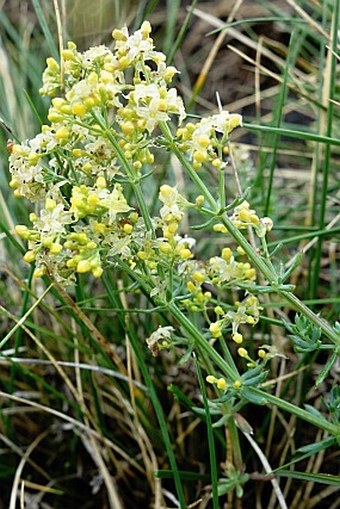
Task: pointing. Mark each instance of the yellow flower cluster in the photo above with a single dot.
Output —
(202, 141)
(108, 111)
(74, 173)
(246, 312)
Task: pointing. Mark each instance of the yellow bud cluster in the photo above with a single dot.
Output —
(216, 329)
(220, 383)
(220, 228)
(237, 384)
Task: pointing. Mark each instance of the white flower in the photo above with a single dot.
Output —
(159, 339)
(188, 242)
(27, 173)
(155, 103)
(225, 271)
(114, 201)
(53, 222)
(173, 209)
(136, 44)
(43, 142)
(225, 122)
(94, 55)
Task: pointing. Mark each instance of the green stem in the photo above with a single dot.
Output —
(203, 343)
(235, 443)
(291, 133)
(299, 412)
(253, 256)
(230, 371)
(193, 175)
(210, 433)
(221, 185)
(329, 129)
(134, 180)
(135, 342)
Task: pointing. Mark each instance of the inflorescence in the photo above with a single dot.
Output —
(102, 138)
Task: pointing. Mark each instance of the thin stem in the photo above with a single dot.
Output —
(135, 182)
(192, 331)
(193, 175)
(317, 421)
(329, 128)
(230, 371)
(210, 433)
(253, 256)
(203, 343)
(235, 442)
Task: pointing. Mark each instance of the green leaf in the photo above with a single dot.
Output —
(306, 476)
(253, 398)
(305, 336)
(333, 403)
(327, 367)
(254, 376)
(314, 448)
(185, 475)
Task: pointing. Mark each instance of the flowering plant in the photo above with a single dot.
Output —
(113, 117)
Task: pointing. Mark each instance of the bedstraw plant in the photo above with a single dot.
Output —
(89, 177)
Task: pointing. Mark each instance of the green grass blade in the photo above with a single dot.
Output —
(329, 130)
(135, 342)
(50, 41)
(181, 35)
(278, 113)
(170, 26)
(332, 480)
(210, 434)
(291, 133)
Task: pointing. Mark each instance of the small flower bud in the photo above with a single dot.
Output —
(242, 352)
(199, 277)
(199, 200)
(142, 255)
(29, 256)
(227, 254)
(50, 204)
(62, 134)
(40, 272)
(237, 337)
(185, 254)
(165, 248)
(128, 228)
(268, 223)
(55, 248)
(84, 266)
(79, 109)
(101, 183)
(221, 384)
(191, 287)
(215, 329)
(52, 64)
(22, 231)
(240, 251)
(97, 272)
(145, 28)
(220, 228)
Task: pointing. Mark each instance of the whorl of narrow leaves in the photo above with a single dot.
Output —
(304, 335)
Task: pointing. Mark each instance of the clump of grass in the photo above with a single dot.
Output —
(140, 369)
